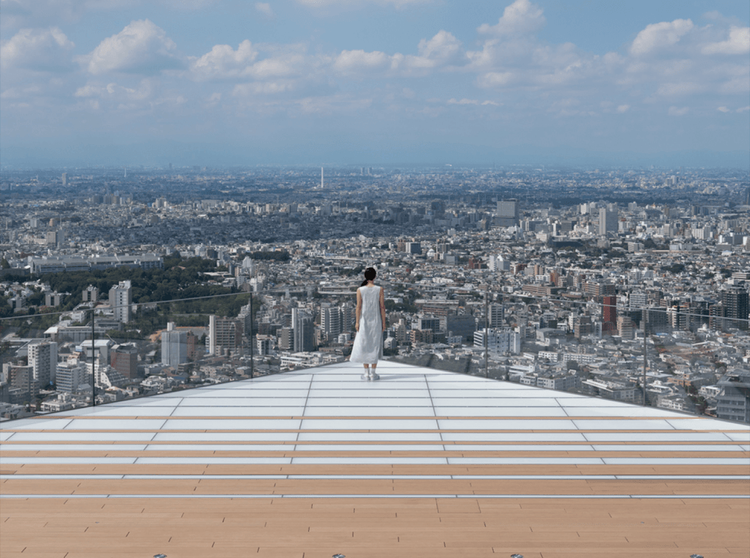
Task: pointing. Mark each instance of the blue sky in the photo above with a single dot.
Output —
(230, 82)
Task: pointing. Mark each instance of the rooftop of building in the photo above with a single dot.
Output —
(421, 463)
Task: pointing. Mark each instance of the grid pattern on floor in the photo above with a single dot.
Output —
(323, 437)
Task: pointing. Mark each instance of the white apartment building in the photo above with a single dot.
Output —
(499, 340)
(120, 299)
(43, 361)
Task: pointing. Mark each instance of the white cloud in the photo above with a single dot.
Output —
(737, 43)
(264, 8)
(349, 61)
(223, 62)
(678, 111)
(519, 18)
(140, 48)
(623, 109)
(722, 109)
(349, 3)
(46, 50)
(473, 102)
(743, 109)
(659, 35)
(495, 79)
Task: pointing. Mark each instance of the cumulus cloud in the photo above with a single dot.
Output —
(743, 109)
(520, 17)
(224, 62)
(46, 50)
(659, 35)
(623, 109)
(264, 8)
(722, 109)
(737, 43)
(140, 48)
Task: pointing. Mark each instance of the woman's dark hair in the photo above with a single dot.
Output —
(370, 275)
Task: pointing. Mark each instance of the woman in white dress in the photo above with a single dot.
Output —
(370, 325)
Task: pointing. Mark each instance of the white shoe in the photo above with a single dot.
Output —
(372, 376)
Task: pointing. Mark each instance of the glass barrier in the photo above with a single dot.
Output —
(189, 325)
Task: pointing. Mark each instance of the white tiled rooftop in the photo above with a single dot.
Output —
(416, 433)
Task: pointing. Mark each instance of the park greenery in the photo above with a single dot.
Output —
(180, 278)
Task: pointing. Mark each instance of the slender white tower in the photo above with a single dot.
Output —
(321, 178)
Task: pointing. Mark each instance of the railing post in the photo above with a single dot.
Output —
(93, 357)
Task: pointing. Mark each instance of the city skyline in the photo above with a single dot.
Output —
(327, 82)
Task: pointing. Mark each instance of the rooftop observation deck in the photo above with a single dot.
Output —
(420, 464)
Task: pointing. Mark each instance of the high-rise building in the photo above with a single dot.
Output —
(224, 335)
(331, 321)
(304, 331)
(638, 300)
(124, 359)
(496, 315)
(22, 378)
(507, 213)
(173, 346)
(736, 307)
(625, 327)
(65, 179)
(71, 375)
(499, 340)
(120, 299)
(607, 221)
(43, 361)
(90, 294)
(609, 314)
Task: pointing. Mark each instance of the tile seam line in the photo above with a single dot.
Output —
(386, 496)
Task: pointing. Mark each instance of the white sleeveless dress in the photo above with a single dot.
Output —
(368, 344)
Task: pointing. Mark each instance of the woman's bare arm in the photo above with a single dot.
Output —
(359, 310)
(382, 307)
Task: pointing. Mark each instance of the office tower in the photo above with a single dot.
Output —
(736, 307)
(331, 321)
(302, 323)
(120, 299)
(43, 361)
(224, 335)
(173, 346)
(607, 221)
(321, 178)
(71, 375)
(507, 213)
(609, 314)
(124, 359)
(497, 315)
(65, 179)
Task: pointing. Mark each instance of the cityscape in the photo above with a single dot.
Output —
(369, 278)
(481, 277)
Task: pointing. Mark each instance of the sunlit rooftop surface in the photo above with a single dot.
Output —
(420, 463)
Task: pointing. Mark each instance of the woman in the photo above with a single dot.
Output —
(370, 325)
